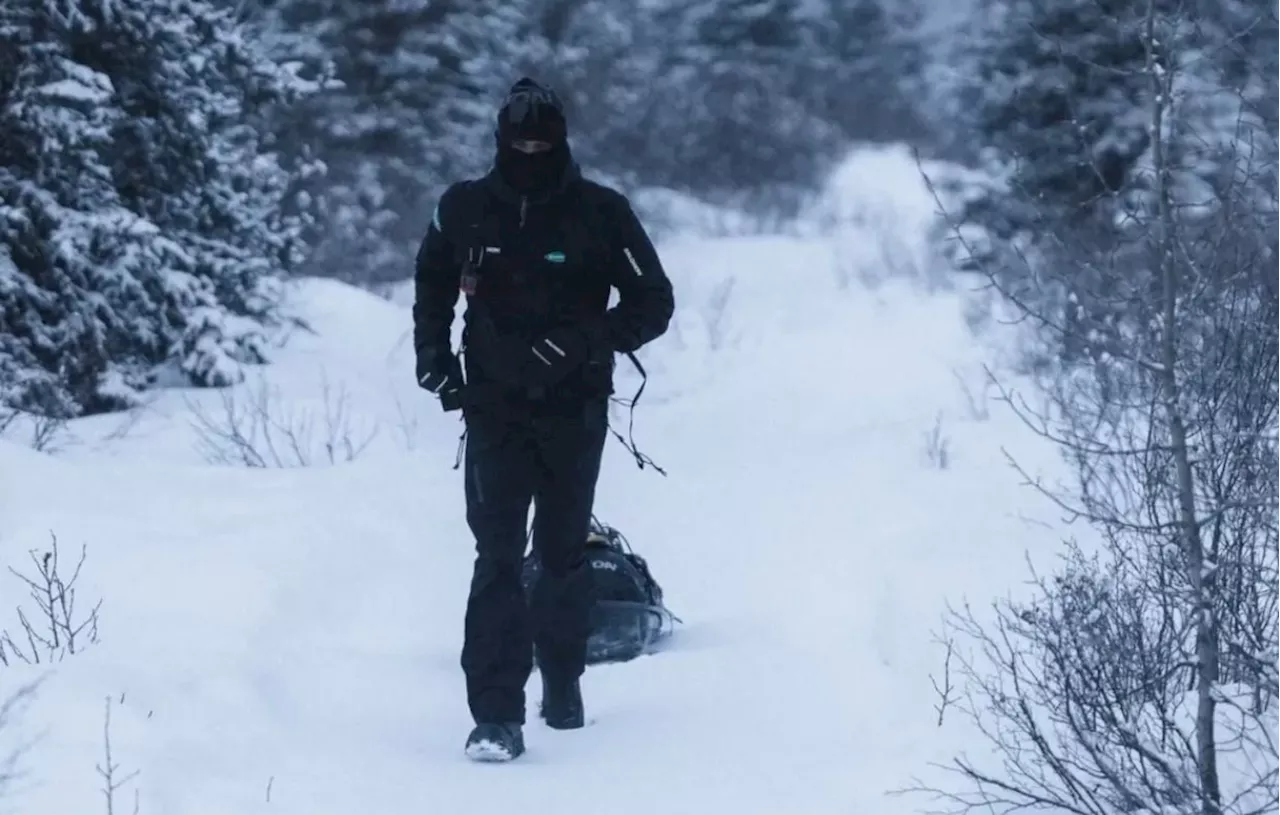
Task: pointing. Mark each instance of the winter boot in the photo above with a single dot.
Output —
(495, 742)
(562, 704)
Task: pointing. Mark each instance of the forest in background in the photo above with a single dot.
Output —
(741, 102)
(167, 163)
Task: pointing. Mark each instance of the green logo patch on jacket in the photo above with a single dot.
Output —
(555, 257)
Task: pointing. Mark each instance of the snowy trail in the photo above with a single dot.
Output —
(287, 640)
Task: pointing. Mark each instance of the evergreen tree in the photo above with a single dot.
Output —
(1056, 94)
(723, 104)
(411, 109)
(1059, 100)
(867, 74)
(602, 57)
(1062, 99)
(144, 216)
(489, 45)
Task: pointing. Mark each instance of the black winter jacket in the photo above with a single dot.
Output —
(531, 265)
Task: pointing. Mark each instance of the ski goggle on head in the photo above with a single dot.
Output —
(530, 146)
(524, 103)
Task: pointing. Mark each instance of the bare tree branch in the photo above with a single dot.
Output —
(261, 431)
(59, 628)
(10, 707)
(1145, 666)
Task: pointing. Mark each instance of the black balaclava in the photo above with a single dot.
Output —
(532, 111)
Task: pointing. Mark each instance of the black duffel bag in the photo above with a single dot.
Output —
(628, 616)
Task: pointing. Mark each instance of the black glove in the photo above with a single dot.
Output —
(438, 371)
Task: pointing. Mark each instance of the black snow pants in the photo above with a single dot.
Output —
(549, 457)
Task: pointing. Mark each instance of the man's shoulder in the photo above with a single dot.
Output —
(602, 196)
(459, 202)
(461, 192)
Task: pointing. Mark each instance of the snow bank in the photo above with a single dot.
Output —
(286, 640)
(342, 376)
(295, 632)
(668, 213)
(881, 218)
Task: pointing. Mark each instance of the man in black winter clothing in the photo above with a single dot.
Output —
(537, 250)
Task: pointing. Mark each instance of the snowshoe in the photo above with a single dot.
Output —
(495, 742)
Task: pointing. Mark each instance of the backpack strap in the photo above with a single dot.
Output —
(472, 243)
(466, 233)
(595, 226)
(630, 442)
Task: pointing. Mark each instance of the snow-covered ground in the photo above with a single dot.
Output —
(286, 640)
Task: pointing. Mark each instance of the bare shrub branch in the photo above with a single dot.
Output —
(129, 422)
(945, 691)
(261, 432)
(10, 708)
(977, 405)
(57, 628)
(109, 771)
(45, 434)
(937, 445)
(406, 423)
(1141, 676)
(717, 310)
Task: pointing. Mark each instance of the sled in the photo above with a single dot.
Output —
(628, 617)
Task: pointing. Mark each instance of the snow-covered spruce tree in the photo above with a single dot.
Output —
(412, 108)
(144, 216)
(1051, 95)
(488, 46)
(723, 111)
(1142, 676)
(867, 71)
(723, 98)
(602, 57)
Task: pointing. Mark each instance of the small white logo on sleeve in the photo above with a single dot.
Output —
(632, 258)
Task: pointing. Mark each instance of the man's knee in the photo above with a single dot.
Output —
(494, 572)
(562, 556)
(560, 535)
(498, 519)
